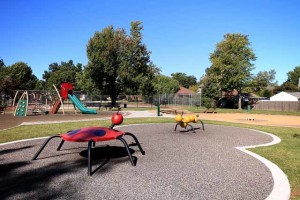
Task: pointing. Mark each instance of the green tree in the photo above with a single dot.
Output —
(292, 81)
(22, 76)
(232, 63)
(118, 62)
(63, 72)
(184, 80)
(86, 83)
(137, 71)
(6, 82)
(211, 90)
(165, 85)
(262, 80)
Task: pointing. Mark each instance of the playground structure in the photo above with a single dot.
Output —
(32, 102)
(91, 135)
(184, 122)
(67, 93)
(47, 102)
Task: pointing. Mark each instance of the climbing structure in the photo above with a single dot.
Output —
(21, 109)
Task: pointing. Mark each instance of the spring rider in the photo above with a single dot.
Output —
(91, 135)
(184, 122)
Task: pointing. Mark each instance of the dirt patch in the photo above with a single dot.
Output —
(258, 119)
(9, 121)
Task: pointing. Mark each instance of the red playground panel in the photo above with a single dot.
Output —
(96, 134)
(64, 89)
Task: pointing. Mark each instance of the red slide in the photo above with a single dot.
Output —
(56, 107)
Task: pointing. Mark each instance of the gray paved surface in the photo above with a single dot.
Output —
(177, 165)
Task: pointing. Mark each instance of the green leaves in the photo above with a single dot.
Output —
(231, 65)
(120, 62)
(63, 72)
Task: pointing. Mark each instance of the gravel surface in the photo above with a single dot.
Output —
(177, 165)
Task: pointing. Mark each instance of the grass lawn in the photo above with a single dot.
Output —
(285, 154)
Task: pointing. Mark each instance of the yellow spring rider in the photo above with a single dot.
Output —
(185, 121)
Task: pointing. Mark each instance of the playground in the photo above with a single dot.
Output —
(178, 164)
(28, 103)
(201, 165)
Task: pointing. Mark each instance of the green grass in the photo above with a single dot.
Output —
(285, 154)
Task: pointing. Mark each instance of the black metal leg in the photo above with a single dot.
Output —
(128, 151)
(60, 145)
(202, 124)
(176, 126)
(90, 144)
(43, 146)
(137, 142)
(192, 128)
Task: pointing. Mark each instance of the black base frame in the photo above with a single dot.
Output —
(191, 127)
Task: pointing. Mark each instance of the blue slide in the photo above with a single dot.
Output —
(80, 106)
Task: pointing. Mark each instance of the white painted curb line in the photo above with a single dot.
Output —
(281, 188)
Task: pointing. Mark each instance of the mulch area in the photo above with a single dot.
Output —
(9, 121)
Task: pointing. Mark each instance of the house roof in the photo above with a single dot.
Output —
(295, 94)
(184, 90)
(286, 96)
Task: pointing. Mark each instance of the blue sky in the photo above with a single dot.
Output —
(180, 34)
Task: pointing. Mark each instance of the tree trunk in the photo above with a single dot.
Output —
(113, 100)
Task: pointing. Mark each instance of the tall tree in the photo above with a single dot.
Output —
(118, 62)
(232, 63)
(137, 71)
(105, 55)
(184, 80)
(63, 72)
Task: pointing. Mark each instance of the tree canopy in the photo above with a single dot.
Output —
(117, 62)
(165, 85)
(22, 76)
(184, 80)
(232, 62)
(63, 72)
(262, 80)
(292, 81)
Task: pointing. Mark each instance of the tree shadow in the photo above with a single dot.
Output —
(20, 181)
(6, 151)
(105, 154)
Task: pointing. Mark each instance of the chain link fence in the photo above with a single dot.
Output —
(43, 98)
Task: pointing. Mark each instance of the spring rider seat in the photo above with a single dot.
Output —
(184, 122)
(91, 135)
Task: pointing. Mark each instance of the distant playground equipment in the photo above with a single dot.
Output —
(184, 122)
(66, 91)
(30, 102)
(47, 102)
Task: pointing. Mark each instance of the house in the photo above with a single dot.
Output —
(184, 96)
(184, 91)
(286, 96)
